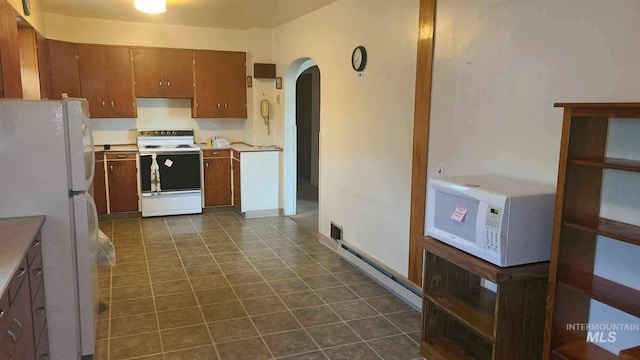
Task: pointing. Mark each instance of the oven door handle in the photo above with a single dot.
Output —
(147, 194)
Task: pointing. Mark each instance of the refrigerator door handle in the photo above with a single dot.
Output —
(87, 129)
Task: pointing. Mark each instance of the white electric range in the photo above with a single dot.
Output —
(170, 172)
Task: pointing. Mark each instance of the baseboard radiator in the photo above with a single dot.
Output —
(394, 282)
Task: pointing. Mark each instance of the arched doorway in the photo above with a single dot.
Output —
(302, 107)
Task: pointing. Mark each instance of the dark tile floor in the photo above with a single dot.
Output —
(217, 286)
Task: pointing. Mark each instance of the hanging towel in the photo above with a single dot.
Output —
(155, 173)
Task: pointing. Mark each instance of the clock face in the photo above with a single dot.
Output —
(359, 58)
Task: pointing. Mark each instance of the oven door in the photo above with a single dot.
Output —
(178, 171)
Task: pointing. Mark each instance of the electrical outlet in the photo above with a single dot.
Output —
(336, 231)
(440, 170)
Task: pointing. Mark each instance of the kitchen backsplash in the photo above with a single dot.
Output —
(165, 114)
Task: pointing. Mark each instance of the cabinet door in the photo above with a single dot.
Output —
(119, 82)
(44, 66)
(10, 79)
(7, 343)
(99, 188)
(178, 73)
(232, 77)
(123, 186)
(149, 72)
(236, 185)
(208, 99)
(93, 78)
(217, 182)
(64, 69)
(22, 325)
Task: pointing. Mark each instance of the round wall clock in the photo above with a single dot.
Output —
(359, 58)
(26, 7)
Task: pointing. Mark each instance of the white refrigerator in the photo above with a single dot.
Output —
(46, 168)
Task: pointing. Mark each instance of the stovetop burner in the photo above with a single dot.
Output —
(152, 146)
(182, 146)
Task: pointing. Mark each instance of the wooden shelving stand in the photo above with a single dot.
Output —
(465, 321)
(572, 282)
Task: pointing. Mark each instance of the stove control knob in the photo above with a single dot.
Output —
(162, 133)
(174, 133)
(156, 132)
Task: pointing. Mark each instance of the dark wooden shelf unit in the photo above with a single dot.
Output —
(580, 350)
(631, 354)
(572, 282)
(463, 320)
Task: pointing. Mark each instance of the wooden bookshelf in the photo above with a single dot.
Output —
(572, 281)
(580, 350)
(463, 320)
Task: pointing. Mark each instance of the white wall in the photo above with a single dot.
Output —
(37, 17)
(499, 68)
(366, 123)
(259, 50)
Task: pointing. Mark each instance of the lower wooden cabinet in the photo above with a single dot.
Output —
(236, 181)
(122, 177)
(99, 186)
(217, 178)
(23, 316)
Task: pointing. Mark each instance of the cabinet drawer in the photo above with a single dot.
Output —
(215, 153)
(6, 342)
(39, 312)
(17, 280)
(99, 156)
(35, 274)
(34, 250)
(128, 156)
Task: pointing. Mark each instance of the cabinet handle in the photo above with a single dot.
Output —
(111, 168)
(219, 106)
(121, 156)
(40, 311)
(1, 313)
(216, 153)
(168, 83)
(15, 342)
(17, 322)
(37, 272)
(21, 272)
(112, 103)
(206, 165)
(103, 103)
(226, 106)
(160, 83)
(36, 243)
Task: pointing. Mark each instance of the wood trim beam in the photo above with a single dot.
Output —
(422, 110)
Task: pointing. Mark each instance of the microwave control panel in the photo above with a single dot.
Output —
(492, 232)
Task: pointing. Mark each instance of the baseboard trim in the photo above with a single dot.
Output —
(261, 213)
(394, 282)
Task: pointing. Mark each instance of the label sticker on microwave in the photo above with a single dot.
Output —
(459, 213)
(168, 163)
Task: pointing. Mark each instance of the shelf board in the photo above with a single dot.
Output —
(606, 291)
(610, 110)
(480, 267)
(630, 354)
(443, 348)
(581, 350)
(609, 163)
(609, 228)
(474, 307)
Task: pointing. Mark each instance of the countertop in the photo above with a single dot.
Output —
(16, 235)
(117, 148)
(244, 147)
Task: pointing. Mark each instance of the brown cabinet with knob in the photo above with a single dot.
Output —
(106, 80)
(163, 73)
(236, 180)
(99, 187)
(23, 318)
(65, 76)
(220, 90)
(217, 177)
(122, 182)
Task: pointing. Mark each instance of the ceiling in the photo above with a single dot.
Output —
(223, 14)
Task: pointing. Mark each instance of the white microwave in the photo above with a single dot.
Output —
(504, 221)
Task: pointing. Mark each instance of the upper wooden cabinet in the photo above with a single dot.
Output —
(10, 82)
(106, 80)
(44, 66)
(220, 84)
(163, 73)
(65, 76)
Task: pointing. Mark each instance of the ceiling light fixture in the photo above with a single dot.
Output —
(151, 6)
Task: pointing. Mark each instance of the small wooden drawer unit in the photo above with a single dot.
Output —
(123, 156)
(216, 153)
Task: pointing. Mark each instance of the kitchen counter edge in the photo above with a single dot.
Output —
(16, 235)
